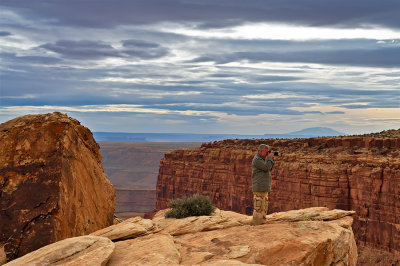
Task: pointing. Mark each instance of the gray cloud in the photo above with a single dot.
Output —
(335, 112)
(238, 108)
(146, 54)
(272, 78)
(68, 86)
(143, 49)
(139, 44)
(5, 33)
(300, 46)
(30, 59)
(386, 57)
(209, 13)
(237, 77)
(82, 49)
(98, 50)
(355, 52)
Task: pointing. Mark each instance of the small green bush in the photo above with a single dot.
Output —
(195, 205)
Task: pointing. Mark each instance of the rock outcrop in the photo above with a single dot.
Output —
(52, 183)
(314, 236)
(360, 173)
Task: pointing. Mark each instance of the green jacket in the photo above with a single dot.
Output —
(261, 173)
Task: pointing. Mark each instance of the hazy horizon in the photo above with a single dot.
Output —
(210, 132)
(212, 67)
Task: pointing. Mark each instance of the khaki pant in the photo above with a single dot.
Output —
(260, 201)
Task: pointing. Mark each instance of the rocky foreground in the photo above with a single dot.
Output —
(52, 183)
(313, 236)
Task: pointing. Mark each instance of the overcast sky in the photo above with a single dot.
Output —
(209, 66)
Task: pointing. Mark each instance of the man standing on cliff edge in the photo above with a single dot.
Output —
(261, 182)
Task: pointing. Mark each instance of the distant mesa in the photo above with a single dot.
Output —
(311, 132)
(317, 132)
(52, 183)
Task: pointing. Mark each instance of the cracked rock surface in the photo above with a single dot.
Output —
(313, 236)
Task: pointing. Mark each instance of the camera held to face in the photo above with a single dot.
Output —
(275, 153)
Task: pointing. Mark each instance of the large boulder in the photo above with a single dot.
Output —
(52, 183)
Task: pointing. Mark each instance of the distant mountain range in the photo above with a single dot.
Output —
(318, 131)
(308, 133)
(188, 137)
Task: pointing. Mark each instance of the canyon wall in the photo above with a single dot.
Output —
(52, 183)
(360, 173)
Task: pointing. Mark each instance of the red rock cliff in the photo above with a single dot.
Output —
(352, 173)
(52, 183)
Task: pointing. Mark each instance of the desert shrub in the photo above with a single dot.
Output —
(195, 205)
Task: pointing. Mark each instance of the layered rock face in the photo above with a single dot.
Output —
(52, 183)
(314, 236)
(360, 173)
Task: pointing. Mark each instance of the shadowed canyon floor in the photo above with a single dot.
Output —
(136, 164)
(132, 168)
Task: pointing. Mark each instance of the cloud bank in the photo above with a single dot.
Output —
(204, 67)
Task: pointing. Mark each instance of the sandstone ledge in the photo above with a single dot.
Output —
(313, 236)
(82, 250)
